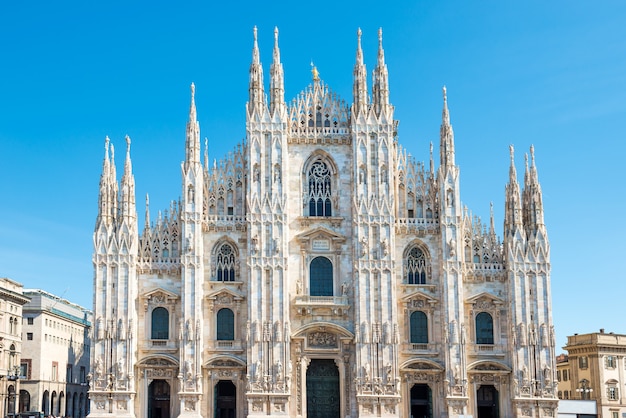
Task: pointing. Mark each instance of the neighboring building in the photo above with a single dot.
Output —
(55, 357)
(320, 271)
(577, 409)
(595, 368)
(12, 300)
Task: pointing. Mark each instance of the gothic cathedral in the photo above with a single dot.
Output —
(319, 271)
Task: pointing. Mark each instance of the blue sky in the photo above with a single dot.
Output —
(552, 74)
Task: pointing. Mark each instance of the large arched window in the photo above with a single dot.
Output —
(160, 324)
(416, 266)
(419, 328)
(319, 181)
(225, 325)
(321, 277)
(484, 328)
(225, 263)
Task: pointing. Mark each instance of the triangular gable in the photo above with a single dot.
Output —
(160, 295)
(485, 297)
(320, 232)
(419, 300)
(225, 292)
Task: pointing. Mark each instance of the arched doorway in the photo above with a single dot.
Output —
(487, 402)
(322, 389)
(421, 401)
(225, 399)
(159, 399)
(45, 403)
(11, 399)
(24, 400)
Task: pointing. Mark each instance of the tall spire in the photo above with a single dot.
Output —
(147, 220)
(446, 135)
(359, 87)
(127, 196)
(532, 199)
(277, 79)
(513, 209)
(255, 90)
(380, 89)
(105, 199)
(192, 143)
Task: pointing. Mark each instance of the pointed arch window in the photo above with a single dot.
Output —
(321, 277)
(225, 263)
(225, 325)
(160, 324)
(319, 180)
(484, 328)
(416, 266)
(419, 328)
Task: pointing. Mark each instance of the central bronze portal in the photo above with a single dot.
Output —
(322, 390)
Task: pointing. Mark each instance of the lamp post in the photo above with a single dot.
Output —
(584, 390)
(13, 376)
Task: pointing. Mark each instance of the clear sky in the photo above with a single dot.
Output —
(548, 73)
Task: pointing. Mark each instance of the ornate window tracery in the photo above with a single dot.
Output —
(225, 263)
(416, 266)
(319, 184)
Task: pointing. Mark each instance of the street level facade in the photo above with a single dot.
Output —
(319, 270)
(595, 369)
(55, 357)
(12, 300)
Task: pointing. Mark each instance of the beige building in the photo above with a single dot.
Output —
(595, 369)
(55, 356)
(12, 300)
(321, 271)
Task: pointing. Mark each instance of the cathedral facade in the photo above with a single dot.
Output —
(320, 271)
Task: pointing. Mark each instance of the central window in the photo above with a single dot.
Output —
(321, 277)
(319, 183)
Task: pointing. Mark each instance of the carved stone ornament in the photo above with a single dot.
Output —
(159, 362)
(322, 339)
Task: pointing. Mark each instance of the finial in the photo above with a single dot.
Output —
(526, 161)
(193, 89)
(512, 151)
(147, 200)
(106, 146)
(127, 138)
(276, 34)
(445, 94)
(380, 37)
(112, 152)
(254, 31)
(316, 74)
(359, 33)
(532, 155)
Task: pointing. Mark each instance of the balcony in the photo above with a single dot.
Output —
(231, 346)
(422, 349)
(335, 306)
(489, 350)
(160, 345)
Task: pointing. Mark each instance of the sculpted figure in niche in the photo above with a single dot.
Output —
(364, 247)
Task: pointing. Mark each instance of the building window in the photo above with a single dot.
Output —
(582, 362)
(321, 277)
(225, 325)
(610, 362)
(484, 328)
(24, 370)
(565, 375)
(611, 393)
(83, 376)
(560, 394)
(55, 371)
(558, 375)
(30, 320)
(68, 374)
(29, 336)
(614, 414)
(160, 324)
(225, 263)
(416, 266)
(419, 328)
(319, 189)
